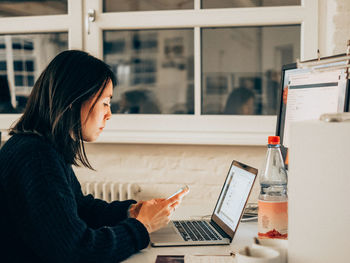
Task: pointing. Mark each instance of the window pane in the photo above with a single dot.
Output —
(241, 67)
(29, 54)
(19, 80)
(142, 5)
(250, 3)
(32, 7)
(30, 80)
(29, 65)
(154, 70)
(18, 65)
(2, 65)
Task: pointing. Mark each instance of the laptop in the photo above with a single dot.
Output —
(222, 226)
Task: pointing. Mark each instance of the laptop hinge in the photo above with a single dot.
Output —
(217, 228)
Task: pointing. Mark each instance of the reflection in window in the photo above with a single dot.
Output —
(154, 69)
(145, 5)
(250, 3)
(5, 96)
(241, 67)
(139, 101)
(22, 59)
(9, 8)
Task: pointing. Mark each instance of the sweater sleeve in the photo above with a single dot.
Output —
(46, 216)
(96, 212)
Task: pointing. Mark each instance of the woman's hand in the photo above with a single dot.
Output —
(155, 214)
(134, 209)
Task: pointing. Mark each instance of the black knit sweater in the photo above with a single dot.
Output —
(46, 218)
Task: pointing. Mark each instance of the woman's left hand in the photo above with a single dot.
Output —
(135, 208)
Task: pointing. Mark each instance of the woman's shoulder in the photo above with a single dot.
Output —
(25, 154)
(24, 145)
(27, 140)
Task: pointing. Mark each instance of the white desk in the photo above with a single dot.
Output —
(244, 237)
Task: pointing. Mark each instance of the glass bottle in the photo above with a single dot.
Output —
(273, 199)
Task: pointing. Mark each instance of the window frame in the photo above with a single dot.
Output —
(197, 128)
(175, 129)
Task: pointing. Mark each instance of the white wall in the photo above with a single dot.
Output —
(341, 22)
(161, 169)
(334, 27)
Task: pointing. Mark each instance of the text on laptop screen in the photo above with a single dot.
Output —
(307, 93)
(233, 196)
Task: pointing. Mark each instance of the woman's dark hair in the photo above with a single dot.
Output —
(237, 99)
(54, 105)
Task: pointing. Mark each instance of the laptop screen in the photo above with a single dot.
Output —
(306, 93)
(234, 196)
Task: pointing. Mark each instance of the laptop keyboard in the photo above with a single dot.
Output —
(196, 230)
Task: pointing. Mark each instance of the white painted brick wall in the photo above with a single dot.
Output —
(341, 23)
(161, 169)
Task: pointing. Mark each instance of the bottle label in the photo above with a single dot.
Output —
(273, 219)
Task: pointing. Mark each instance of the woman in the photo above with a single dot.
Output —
(240, 102)
(45, 217)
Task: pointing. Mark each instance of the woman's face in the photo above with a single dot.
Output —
(248, 107)
(93, 123)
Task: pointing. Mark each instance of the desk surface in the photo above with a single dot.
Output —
(244, 237)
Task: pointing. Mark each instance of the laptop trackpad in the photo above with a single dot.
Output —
(168, 233)
(168, 230)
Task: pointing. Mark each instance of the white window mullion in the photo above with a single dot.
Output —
(94, 40)
(309, 31)
(197, 71)
(34, 24)
(197, 4)
(75, 31)
(203, 18)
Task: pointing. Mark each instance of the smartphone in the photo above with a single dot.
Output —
(186, 187)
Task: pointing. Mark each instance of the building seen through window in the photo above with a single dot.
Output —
(22, 58)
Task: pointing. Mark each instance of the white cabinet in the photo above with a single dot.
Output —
(319, 192)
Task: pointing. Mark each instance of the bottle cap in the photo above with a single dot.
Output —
(274, 140)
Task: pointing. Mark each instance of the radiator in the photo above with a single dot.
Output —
(111, 191)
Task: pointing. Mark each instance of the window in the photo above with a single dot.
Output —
(185, 58)
(241, 67)
(265, 34)
(154, 69)
(26, 56)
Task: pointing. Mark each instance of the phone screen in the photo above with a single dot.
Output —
(179, 191)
